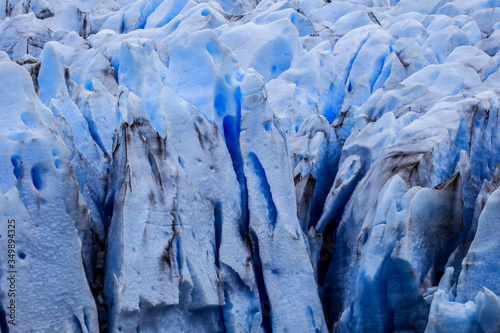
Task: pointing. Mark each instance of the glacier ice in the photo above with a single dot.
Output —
(250, 165)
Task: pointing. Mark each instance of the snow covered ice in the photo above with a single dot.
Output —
(250, 166)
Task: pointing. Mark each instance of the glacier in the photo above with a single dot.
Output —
(250, 166)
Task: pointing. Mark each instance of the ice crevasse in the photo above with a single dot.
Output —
(250, 166)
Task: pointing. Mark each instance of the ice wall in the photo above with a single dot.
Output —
(250, 166)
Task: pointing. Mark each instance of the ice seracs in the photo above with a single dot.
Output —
(251, 166)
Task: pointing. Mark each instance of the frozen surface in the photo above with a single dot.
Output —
(250, 166)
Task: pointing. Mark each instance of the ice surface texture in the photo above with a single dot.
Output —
(251, 166)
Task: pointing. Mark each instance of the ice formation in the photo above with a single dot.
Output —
(250, 166)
